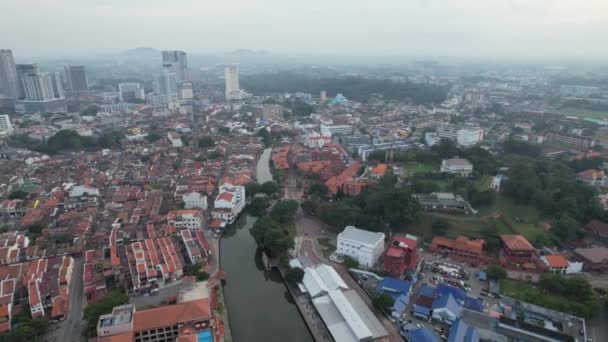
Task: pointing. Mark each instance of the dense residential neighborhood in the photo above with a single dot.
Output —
(432, 206)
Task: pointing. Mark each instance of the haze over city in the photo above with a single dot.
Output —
(328, 171)
(428, 28)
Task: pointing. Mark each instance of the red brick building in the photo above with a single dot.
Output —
(516, 249)
(461, 248)
(401, 256)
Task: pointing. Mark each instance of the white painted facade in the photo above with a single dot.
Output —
(362, 245)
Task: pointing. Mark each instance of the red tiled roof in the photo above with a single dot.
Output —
(557, 261)
(226, 196)
(516, 243)
(170, 315)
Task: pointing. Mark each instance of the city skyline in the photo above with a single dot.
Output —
(512, 28)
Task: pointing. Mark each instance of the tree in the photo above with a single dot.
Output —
(258, 206)
(294, 275)
(205, 142)
(272, 237)
(565, 228)
(17, 194)
(440, 227)
(102, 307)
(350, 262)
(270, 188)
(511, 146)
(383, 302)
(318, 189)
(152, 137)
(266, 138)
(251, 189)
(91, 110)
(310, 206)
(283, 211)
(496, 272)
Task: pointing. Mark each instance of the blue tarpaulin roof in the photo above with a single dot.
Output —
(448, 302)
(459, 294)
(462, 332)
(483, 276)
(473, 304)
(400, 305)
(422, 335)
(427, 291)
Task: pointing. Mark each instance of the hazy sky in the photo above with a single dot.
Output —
(468, 28)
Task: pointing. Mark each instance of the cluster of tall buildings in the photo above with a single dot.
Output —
(38, 91)
(173, 82)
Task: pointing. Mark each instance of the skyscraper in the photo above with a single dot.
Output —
(58, 91)
(9, 83)
(177, 63)
(22, 70)
(38, 87)
(76, 78)
(231, 75)
(167, 85)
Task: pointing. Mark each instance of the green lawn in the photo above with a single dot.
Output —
(526, 291)
(585, 113)
(517, 219)
(483, 183)
(413, 168)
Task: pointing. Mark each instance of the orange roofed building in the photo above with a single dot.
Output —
(461, 248)
(162, 323)
(347, 181)
(517, 252)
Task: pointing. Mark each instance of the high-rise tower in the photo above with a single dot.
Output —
(9, 83)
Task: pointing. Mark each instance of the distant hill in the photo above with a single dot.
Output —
(247, 52)
(141, 52)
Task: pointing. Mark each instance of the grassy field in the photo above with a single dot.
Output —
(517, 219)
(412, 168)
(584, 113)
(526, 291)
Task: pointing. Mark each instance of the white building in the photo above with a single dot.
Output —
(81, 190)
(362, 245)
(431, 139)
(231, 76)
(229, 203)
(463, 136)
(320, 279)
(194, 200)
(176, 140)
(456, 166)
(313, 139)
(191, 219)
(6, 128)
(130, 91)
(346, 316)
(184, 91)
(331, 130)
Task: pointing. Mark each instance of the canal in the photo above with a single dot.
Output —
(259, 306)
(262, 171)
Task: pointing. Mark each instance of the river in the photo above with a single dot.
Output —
(262, 171)
(259, 306)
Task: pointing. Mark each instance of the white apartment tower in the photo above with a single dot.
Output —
(231, 75)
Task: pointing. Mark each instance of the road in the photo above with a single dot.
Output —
(71, 328)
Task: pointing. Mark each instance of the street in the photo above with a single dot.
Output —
(71, 328)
